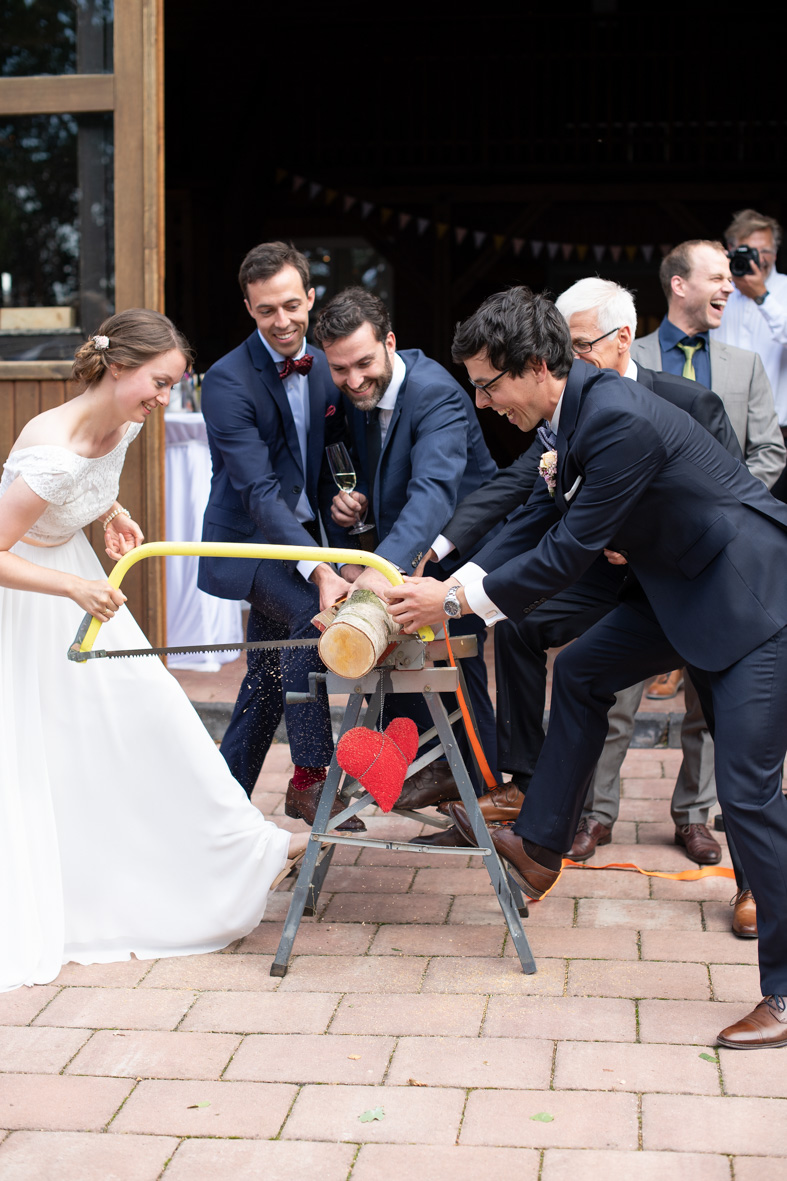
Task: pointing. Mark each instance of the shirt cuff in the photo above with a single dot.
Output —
(442, 547)
(471, 576)
(306, 568)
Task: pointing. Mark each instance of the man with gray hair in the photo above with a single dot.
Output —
(602, 321)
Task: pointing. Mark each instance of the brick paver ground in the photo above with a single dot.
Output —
(404, 1000)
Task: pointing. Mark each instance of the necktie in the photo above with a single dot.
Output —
(547, 436)
(688, 351)
(302, 365)
(373, 448)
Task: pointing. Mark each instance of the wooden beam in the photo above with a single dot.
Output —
(46, 95)
(35, 370)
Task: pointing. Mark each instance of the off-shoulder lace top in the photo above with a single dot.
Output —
(78, 489)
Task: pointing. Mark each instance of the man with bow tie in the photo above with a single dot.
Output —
(707, 543)
(270, 408)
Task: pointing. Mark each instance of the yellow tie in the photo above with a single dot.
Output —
(688, 365)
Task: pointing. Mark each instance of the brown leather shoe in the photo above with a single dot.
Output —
(302, 805)
(763, 1029)
(590, 833)
(447, 837)
(666, 686)
(744, 916)
(532, 878)
(498, 805)
(429, 786)
(700, 846)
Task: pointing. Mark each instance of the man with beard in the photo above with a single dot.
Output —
(418, 450)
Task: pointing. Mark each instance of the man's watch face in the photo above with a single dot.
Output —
(451, 605)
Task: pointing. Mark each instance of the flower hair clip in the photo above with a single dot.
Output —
(100, 342)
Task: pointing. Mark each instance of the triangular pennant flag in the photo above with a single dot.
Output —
(498, 240)
(330, 195)
(281, 173)
(314, 190)
(422, 223)
(385, 213)
(404, 218)
(566, 248)
(598, 252)
(441, 228)
(366, 208)
(297, 181)
(460, 232)
(478, 238)
(647, 252)
(536, 247)
(552, 248)
(348, 203)
(517, 244)
(616, 252)
(581, 252)
(664, 249)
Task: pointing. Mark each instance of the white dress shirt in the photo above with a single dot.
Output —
(296, 387)
(762, 328)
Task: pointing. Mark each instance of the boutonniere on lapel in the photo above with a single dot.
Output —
(330, 411)
(548, 469)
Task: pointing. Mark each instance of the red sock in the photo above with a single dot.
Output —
(304, 777)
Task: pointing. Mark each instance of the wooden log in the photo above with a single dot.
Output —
(360, 633)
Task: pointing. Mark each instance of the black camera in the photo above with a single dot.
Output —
(741, 259)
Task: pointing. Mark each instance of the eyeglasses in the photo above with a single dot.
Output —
(584, 346)
(482, 387)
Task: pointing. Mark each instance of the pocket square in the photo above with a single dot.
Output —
(573, 489)
(330, 411)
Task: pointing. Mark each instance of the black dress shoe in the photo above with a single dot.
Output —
(302, 805)
(431, 785)
(590, 833)
(765, 1027)
(533, 879)
(450, 837)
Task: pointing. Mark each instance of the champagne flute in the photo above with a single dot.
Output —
(343, 473)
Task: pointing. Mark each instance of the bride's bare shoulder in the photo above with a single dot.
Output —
(53, 427)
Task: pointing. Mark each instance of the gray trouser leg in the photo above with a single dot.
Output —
(603, 798)
(695, 788)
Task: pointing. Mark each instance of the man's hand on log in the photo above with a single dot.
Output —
(348, 508)
(373, 580)
(329, 584)
(418, 602)
(350, 572)
(429, 556)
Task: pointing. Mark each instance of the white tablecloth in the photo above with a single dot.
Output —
(192, 616)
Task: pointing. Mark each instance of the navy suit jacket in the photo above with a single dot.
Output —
(434, 454)
(509, 488)
(704, 537)
(258, 473)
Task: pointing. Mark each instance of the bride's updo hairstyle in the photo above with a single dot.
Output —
(127, 340)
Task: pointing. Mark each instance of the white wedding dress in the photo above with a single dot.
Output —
(121, 828)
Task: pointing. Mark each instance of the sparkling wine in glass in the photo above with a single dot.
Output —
(344, 477)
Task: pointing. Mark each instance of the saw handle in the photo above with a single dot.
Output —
(89, 628)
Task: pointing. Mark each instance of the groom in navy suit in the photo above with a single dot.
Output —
(708, 545)
(270, 407)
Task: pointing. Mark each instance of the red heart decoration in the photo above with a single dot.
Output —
(376, 761)
(403, 732)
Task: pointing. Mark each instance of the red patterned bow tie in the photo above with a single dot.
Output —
(302, 365)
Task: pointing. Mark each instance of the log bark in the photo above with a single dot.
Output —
(358, 636)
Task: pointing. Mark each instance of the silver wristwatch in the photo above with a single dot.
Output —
(451, 605)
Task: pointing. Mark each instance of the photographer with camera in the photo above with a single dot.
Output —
(756, 314)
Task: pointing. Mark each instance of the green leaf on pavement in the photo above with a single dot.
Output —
(366, 1117)
(709, 1057)
(543, 1117)
(204, 1103)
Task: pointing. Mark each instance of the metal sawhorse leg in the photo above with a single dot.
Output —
(319, 853)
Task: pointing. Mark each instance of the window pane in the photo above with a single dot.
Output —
(55, 37)
(337, 263)
(56, 233)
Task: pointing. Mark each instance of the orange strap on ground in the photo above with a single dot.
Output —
(686, 875)
(478, 750)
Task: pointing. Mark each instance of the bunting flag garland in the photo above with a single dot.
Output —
(313, 190)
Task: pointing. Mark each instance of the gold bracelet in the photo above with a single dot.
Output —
(111, 517)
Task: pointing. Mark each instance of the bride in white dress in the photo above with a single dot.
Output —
(121, 828)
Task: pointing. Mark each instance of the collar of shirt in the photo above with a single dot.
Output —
(388, 400)
(669, 335)
(554, 421)
(631, 369)
(277, 358)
